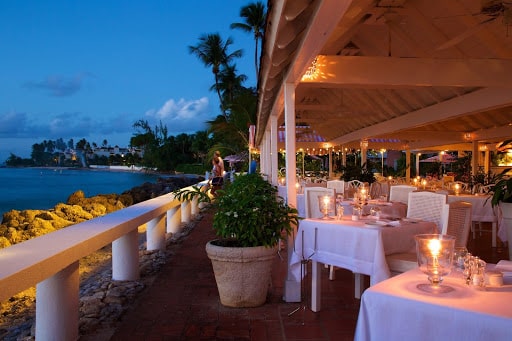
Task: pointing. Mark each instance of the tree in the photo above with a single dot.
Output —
(213, 51)
(230, 83)
(255, 16)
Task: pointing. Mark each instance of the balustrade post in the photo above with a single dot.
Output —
(125, 257)
(155, 233)
(194, 206)
(57, 308)
(173, 219)
(185, 212)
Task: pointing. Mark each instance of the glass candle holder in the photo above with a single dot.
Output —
(435, 259)
(326, 205)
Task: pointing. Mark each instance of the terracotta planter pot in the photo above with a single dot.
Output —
(506, 211)
(242, 274)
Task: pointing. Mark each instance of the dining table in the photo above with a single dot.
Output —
(396, 309)
(387, 209)
(482, 211)
(357, 245)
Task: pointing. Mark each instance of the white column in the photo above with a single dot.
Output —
(474, 158)
(418, 164)
(173, 219)
(125, 257)
(57, 308)
(155, 233)
(408, 166)
(487, 161)
(274, 136)
(185, 211)
(291, 287)
(330, 163)
(194, 206)
(364, 149)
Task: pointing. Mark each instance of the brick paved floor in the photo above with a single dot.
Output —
(183, 302)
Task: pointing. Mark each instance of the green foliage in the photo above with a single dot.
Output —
(249, 211)
(357, 172)
(502, 188)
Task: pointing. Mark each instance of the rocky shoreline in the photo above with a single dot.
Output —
(102, 300)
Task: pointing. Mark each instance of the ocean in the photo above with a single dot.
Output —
(43, 188)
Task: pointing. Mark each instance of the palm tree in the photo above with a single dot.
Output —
(255, 16)
(230, 83)
(213, 51)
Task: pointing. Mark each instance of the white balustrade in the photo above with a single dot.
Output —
(50, 262)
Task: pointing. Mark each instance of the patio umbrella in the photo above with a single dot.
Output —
(447, 158)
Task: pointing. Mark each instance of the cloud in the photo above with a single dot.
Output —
(181, 116)
(12, 123)
(58, 85)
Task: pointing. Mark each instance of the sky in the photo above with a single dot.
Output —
(91, 69)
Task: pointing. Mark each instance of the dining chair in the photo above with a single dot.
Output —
(338, 185)
(312, 209)
(351, 187)
(400, 193)
(427, 206)
(457, 222)
(376, 190)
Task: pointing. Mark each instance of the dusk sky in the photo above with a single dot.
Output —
(90, 69)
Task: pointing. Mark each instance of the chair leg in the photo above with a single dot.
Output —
(332, 274)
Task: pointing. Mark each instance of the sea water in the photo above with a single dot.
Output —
(43, 188)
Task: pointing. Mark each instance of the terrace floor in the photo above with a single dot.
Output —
(183, 302)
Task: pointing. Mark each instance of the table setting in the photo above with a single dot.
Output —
(452, 294)
(359, 245)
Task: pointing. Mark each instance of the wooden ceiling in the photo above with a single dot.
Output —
(420, 74)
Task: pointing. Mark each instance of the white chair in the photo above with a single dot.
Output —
(457, 222)
(312, 209)
(400, 193)
(338, 185)
(311, 194)
(427, 206)
(351, 187)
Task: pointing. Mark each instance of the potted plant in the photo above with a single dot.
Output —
(250, 220)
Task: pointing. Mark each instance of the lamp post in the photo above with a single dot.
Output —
(382, 151)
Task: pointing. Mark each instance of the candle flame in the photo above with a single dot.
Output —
(434, 245)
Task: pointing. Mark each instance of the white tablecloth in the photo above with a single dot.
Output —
(350, 245)
(396, 310)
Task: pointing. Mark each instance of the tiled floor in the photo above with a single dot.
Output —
(183, 303)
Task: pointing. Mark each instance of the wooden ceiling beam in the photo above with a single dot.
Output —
(477, 101)
(407, 72)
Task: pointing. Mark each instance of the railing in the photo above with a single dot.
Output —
(51, 261)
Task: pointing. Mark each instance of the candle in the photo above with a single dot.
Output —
(424, 183)
(457, 189)
(434, 245)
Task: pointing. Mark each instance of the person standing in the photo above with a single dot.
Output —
(217, 172)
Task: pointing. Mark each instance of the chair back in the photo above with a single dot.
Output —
(351, 187)
(338, 185)
(427, 206)
(458, 221)
(400, 193)
(311, 194)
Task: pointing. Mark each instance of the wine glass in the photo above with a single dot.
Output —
(435, 259)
